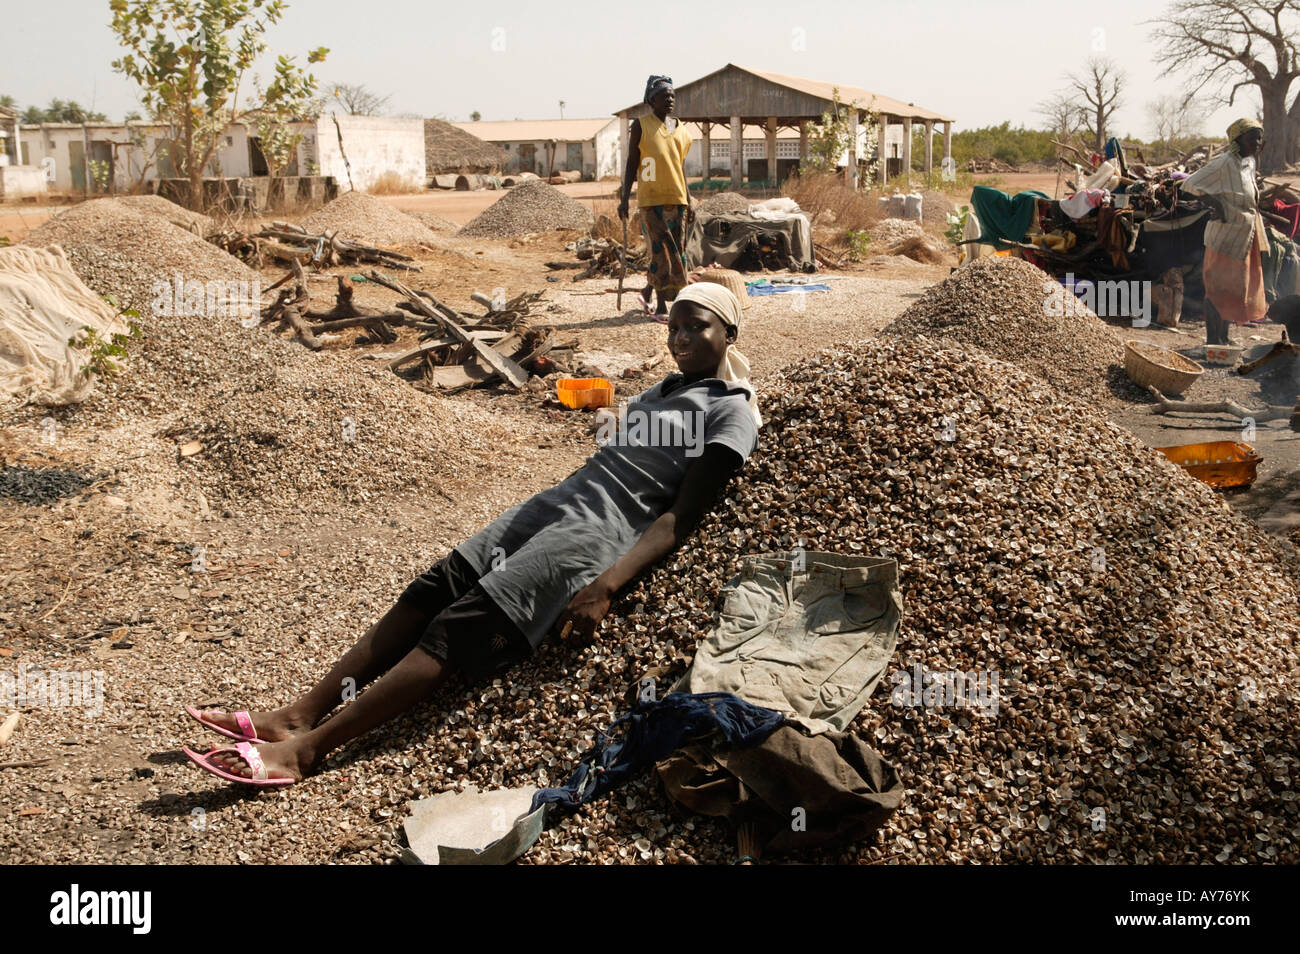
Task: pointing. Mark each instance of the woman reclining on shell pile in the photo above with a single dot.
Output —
(556, 560)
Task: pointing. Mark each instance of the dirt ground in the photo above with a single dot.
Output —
(101, 579)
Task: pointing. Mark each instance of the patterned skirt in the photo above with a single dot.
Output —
(664, 228)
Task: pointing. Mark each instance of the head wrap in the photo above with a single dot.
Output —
(1240, 128)
(654, 84)
(734, 367)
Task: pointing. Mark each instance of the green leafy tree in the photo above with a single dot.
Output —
(828, 140)
(60, 111)
(189, 58)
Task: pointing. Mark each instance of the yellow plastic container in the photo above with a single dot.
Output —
(1217, 463)
(584, 393)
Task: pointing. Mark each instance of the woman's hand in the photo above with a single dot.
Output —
(585, 611)
(623, 210)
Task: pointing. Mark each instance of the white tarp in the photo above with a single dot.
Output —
(42, 304)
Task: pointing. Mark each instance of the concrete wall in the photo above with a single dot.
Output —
(374, 145)
(134, 152)
(607, 152)
(19, 181)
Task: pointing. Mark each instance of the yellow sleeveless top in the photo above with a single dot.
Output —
(661, 173)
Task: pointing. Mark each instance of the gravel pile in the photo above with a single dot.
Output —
(529, 207)
(142, 238)
(1143, 634)
(889, 232)
(363, 217)
(935, 207)
(168, 210)
(322, 428)
(1022, 315)
(435, 222)
(119, 251)
(723, 202)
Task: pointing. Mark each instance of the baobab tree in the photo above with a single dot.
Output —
(1097, 93)
(1227, 46)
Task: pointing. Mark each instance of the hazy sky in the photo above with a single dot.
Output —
(981, 61)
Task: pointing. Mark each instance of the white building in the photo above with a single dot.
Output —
(591, 146)
(550, 146)
(122, 157)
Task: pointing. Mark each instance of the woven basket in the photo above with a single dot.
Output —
(1151, 366)
(729, 279)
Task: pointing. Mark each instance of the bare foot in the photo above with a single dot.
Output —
(281, 759)
(277, 726)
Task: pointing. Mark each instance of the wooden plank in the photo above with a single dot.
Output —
(436, 343)
(510, 372)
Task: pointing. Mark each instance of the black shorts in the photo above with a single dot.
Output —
(468, 631)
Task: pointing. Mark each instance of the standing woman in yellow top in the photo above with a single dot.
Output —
(656, 161)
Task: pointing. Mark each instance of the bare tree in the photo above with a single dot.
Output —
(1097, 93)
(1174, 118)
(358, 100)
(1063, 115)
(1226, 46)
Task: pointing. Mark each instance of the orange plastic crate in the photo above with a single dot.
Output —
(1217, 463)
(584, 393)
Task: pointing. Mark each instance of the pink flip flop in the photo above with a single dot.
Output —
(249, 754)
(242, 719)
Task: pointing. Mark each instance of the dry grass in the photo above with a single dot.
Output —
(607, 223)
(390, 183)
(818, 192)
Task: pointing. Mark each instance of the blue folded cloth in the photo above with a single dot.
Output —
(777, 289)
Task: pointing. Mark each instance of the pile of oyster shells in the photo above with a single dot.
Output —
(1140, 636)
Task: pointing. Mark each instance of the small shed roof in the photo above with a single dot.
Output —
(515, 130)
(714, 89)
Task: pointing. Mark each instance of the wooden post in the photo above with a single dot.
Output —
(882, 173)
(907, 146)
(929, 145)
(851, 169)
(947, 140)
(803, 141)
(85, 161)
(772, 177)
(706, 148)
(737, 154)
(624, 143)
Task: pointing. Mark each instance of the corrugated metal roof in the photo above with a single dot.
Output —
(516, 130)
(849, 93)
(823, 90)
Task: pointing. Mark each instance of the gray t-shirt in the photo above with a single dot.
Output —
(537, 555)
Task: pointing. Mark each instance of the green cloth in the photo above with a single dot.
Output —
(1279, 264)
(1004, 218)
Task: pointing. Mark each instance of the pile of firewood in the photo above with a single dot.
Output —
(456, 350)
(285, 242)
(600, 257)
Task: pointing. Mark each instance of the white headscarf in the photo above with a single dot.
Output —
(734, 368)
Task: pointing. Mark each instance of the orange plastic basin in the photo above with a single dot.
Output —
(584, 393)
(1218, 463)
